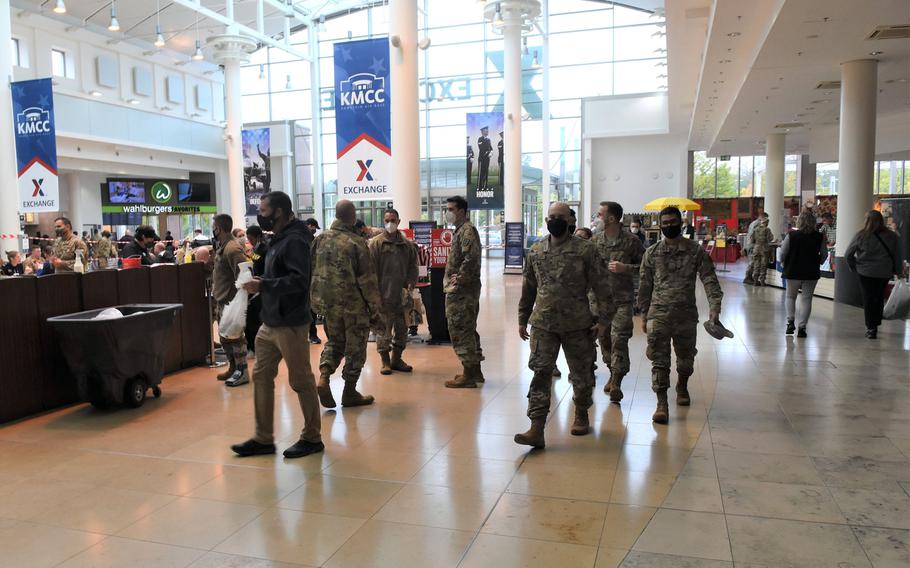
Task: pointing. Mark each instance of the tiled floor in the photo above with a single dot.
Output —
(794, 453)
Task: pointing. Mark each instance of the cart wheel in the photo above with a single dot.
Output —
(156, 391)
(135, 393)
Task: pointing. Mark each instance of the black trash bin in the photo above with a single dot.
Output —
(115, 361)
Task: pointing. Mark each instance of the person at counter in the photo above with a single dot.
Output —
(48, 266)
(66, 246)
(139, 245)
(105, 249)
(688, 230)
(14, 266)
(34, 262)
(827, 229)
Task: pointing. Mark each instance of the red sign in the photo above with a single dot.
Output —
(439, 253)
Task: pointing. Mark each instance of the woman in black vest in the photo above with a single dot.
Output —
(801, 254)
(875, 255)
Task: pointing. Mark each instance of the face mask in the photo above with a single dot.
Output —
(391, 227)
(59, 231)
(266, 223)
(572, 229)
(450, 218)
(672, 231)
(634, 230)
(557, 227)
(598, 225)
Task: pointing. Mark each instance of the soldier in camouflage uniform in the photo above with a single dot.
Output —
(666, 297)
(345, 291)
(462, 288)
(619, 255)
(560, 316)
(66, 245)
(105, 249)
(761, 250)
(395, 260)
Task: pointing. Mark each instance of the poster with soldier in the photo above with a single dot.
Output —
(485, 151)
(257, 170)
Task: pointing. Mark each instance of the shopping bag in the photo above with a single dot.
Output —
(233, 317)
(898, 306)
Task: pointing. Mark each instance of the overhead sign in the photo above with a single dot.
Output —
(156, 196)
(36, 145)
(485, 153)
(439, 251)
(363, 120)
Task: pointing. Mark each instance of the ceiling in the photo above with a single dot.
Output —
(138, 18)
(763, 61)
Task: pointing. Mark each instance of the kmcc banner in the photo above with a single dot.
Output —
(484, 162)
(36, 145)
(363, 119)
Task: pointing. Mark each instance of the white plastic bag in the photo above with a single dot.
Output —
(233, 317)
(898, 306)
(109, 314)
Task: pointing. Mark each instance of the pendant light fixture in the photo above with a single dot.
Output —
(159, 37)
(197, 55)
(114, 26)
(60, 7)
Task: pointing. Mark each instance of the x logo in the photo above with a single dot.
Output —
(365, 170)
(38, 191)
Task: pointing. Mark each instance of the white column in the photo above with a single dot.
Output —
(774, 174)
(231, 51)
(316, 132)
(404, 103)
(511, 34)
(856, 149)
(9, 183)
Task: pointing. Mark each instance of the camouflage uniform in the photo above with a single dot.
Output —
(346, 293)
(65, 250)
(104, 251)
(761, 249)
(667, 300)
(395, 260)
(560, 316)
(225, 270)
(463, 296)
(625, 248)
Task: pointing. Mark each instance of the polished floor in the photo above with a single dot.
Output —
(794, 453)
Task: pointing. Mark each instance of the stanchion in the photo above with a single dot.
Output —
(213, 364)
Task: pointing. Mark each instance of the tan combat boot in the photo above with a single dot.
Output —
(465, 380)
(398, 364)
(350, 396)
(534, 436)
(232, 366)
(478, 373)
(616, 390)
(386, 364)
(325, 392)
(662, 414)
(581, 426)
(682, 391)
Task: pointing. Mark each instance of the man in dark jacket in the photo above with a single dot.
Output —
(139, 245)
(285, 290)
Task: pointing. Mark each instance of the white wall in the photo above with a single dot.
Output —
(633, 170)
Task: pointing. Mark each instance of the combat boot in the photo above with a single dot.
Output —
(534, 436)
(662, 414)
(682, 391)
(748, 279)
(477, 373)
(386, 364)
(581, 426)
(232, 366)
(464, 380)
(616, 390)
(398, 364)
(323, 390)
(350, 396)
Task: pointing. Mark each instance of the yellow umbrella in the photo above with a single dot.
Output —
(680, 203)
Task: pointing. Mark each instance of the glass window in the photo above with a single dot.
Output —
(758, 176)
(58, 62)
(826, 178)
(790, 164)
(639, 42)
(703, 174)
(728, 177)
(582, 21)
(591, 46)
(17, 55)
(745, 176)
(638, 76)
(292, 105)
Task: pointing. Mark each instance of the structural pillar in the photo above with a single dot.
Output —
(405, 109)
(511, 177)
(775, 155)
(9, 182)
(856, 157)
(231, 51)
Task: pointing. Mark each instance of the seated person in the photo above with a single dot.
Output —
(14, 267)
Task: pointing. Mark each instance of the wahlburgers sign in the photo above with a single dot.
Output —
(156, 196)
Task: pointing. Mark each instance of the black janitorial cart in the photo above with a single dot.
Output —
(115, 361)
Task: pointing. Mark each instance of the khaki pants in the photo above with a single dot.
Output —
(291, 344)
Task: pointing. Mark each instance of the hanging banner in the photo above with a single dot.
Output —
(257, 167)
(36, 145)
(363, 132)
(515, 247)
(485, 160)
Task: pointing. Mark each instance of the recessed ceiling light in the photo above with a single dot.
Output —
(725, 61)
(892, 81)
(820, 101)
(734, 34)
(874, 53)
(812, 36)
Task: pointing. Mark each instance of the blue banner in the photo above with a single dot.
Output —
(423, 232)
(515, 246)
(363, 131)
(36, 145)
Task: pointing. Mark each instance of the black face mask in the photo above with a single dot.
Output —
(572, 229)
(671, 231)
(59, 231)
(557, 227)
(266, 223)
